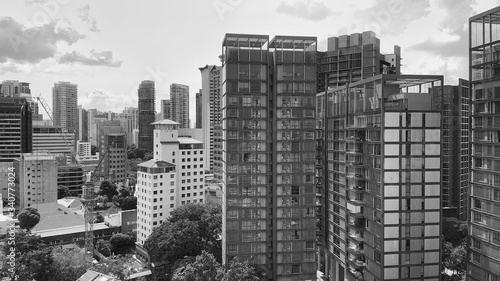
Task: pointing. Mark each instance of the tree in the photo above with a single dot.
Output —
(237, 270)
(63, 191)
(68, 263)
(26, 247)
(190, 229)
(204, 267)
(129, 203)
(108, 189)
(35, 265)
(124, 192)
(104, 247)
(28, 218)
(455, 233)
(120, 242)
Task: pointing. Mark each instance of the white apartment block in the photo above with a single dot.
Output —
(173, 178)
(155, 191)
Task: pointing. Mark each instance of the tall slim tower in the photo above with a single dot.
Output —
(179, 100)
(65, 107)
(269, 153)
(484, 192)
(211, 121)
(199, 106)
(146, 114)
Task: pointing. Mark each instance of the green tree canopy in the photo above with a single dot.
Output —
(190, 229)
(108, 189)
(129, 203)
(120, 242)
(28, 218)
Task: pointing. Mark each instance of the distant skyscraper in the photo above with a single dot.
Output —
(199, 113)
(269, 152)
(65, 106)
(484, 191)
(83, 124)
(454, 104)
(114, 140)
(146, 114)
(165, 110)
(350, 58)
(179, 100)
(211, 117)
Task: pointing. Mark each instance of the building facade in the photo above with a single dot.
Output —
(199, 110)
(383, 179)
(350, 58)
(65, 107)
(267, 103)
(165, 110)
(454, 104)
(36, 179)
(83, 124)
(179, 104)
(484, 192)
(146, 114)
(212, 117)
(113, 140)
(16, 134)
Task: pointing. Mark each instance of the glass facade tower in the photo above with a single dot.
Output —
(268, 94)
(484, 193)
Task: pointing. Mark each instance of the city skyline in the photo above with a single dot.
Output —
(81, 42)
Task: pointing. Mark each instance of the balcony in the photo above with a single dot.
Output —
(354, 139)
(356, 187)
(356, 222)
(358, 235)
(356, 250)
(354, 176)
(357, 261)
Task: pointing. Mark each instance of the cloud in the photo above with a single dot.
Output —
(84, 14)
(96, 58)
(308, 9)
(105, 100)
(454, 24)
(33, 44)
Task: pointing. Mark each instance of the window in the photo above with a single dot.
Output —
(377, 256)
(295, 268)
(496, 238)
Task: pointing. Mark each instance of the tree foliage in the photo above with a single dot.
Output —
(63, 191)
(68, 263)
(108, 189)
(129, 203)
(120, 243)
(190, 229)
(104, 247)
(28, 218)
(205, 267)
(454, 256)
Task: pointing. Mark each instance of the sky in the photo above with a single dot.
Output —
(108, 47)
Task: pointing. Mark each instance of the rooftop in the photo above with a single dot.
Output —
(155, 164)
(245, 40)
(189, 141)
(165, 122)
(292, 42)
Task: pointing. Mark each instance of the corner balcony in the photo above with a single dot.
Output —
(356, 248)
(355, 273)
(354, 139)
(357, 261)
(356, 223)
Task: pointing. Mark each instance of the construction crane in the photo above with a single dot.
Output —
(89, 202)
(88, 198)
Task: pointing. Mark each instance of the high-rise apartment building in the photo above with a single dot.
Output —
(36, 178)
(383, 179)
(15, 128)
(65, 107)
(146, 114)
(179, 104)
(350, 58)
(173, 178)
(484, 192)
(199, 112)
(165, 110)
(113, 140)
(14, 89)
(83, 124)
(267, 101)
(454, 104)
(212, 117)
